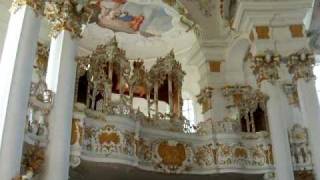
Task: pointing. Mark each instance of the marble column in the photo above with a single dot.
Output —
(278, 132)
(61, 78)
(310, 109)
(16, 67)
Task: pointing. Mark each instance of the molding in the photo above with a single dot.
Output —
(251, 13)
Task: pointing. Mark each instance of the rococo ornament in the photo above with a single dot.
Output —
(205, 99)
(107, 71)
(301, 65)
(185, 16)
(300, 150)
(292, 93)
(265, 67)
(67, 15)
(33, 160)
(245, 101)
(36, 5)
(42, 58)
(37, 125)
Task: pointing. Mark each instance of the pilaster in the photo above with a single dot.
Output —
(15, 76)
(65, 22)
(300, 65)
(266, 69)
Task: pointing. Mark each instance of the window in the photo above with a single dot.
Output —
(188, 110)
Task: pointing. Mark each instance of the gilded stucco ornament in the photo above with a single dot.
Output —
(185, 18)
(300, 150)
(37, 125)
(292, 93)
(247, 101)
(42, 58)
(172, 156)
(67, 15)
(32, 162)
(301, 64)
(36, 5)
(205, 99)
(265, 67)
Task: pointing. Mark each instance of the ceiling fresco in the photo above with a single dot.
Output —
(132, 17)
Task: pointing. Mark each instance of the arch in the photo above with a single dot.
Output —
(235, 60)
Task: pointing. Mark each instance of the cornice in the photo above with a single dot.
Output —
(251, 12)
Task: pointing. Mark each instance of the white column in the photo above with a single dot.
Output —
(278, 132)
(61, 77)
(311, 115)
(15, 78)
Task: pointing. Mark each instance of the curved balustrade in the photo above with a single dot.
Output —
(129, 140)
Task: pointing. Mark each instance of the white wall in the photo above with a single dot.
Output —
(4, 19)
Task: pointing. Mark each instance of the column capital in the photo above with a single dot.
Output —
(300, 65)
(36, 5)
(265, 67)
(67, 15)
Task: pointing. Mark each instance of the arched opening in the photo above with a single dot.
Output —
(254, 121)
(82, 89)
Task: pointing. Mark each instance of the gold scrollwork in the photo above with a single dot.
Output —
(68, 15)
(36, 5)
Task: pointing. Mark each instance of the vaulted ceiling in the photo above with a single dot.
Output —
(206, 13)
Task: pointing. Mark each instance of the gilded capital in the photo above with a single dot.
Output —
(36, 5)
(68, 15)
(300, 65)
(265, 67)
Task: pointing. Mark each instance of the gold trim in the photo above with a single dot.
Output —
(36, 5)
